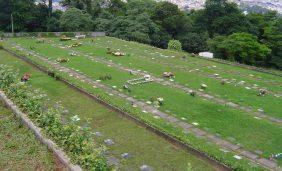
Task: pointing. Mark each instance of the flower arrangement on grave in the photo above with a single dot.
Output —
(64, 38)
(168, 75)
(115, 53)
(73, 54)
(127, 88)
(262, 92)
(192, 93)
(62, 60)
(76, 44)
(105, 77)
(204, 86)
(25, 77)
(159, 101)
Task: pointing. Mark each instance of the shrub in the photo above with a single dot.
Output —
(75, 140)
(1, 46)
(174, 45)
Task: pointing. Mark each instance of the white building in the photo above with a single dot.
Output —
(206, 54)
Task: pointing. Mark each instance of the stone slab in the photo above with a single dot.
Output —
(230, 145)
(172, 119)
(185, 125)
(199, 132)
(214, 139)
(249, 155)
(268, 163)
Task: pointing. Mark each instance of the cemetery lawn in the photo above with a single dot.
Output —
(232, 124)
(19, 148)
(143, 146)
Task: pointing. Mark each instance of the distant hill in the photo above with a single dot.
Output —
(198, 4)
(260, 6)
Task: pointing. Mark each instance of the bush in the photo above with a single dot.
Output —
(75, 140)
(174, 45)
(1, 46)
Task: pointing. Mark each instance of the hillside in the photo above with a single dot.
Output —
(229, 112)
(198, 4)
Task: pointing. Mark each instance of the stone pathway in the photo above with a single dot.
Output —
(258, 114)
(188, 128)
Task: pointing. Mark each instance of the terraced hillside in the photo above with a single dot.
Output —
(231, 113)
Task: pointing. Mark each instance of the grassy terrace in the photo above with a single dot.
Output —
(141, 58)
(229, 123)
(20, 150)
(142, 145)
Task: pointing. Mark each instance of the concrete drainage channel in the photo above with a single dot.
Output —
(37, 132)
(217, 165)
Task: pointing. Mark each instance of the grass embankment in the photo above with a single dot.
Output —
(144, 146)
(232, 124)
(19, 148)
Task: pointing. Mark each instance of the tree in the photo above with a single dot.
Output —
(76, 20)
(136, 27)
(53, 24)
(26, 14)
(141, 6)
(174, 45)
(117, 7)
(241, 47)
(222, 17)
(273, 39)
(171, 19)
(50, 7)
(194, 42)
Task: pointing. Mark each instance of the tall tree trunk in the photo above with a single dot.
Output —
(50, 7)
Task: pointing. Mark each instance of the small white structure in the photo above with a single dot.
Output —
(80, 36)
(142, 80)
(206, 54)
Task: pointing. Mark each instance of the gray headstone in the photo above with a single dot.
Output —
(125, 155)
(109, 142)
(112, 161)
(98, 134)
(145, 168)
(258, 152)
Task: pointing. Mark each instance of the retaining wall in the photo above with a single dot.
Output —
(37, 132)
(52, 34)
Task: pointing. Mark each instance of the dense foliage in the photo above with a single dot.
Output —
(241, 47)
(174, 45)
(152, 22)
(77, 141)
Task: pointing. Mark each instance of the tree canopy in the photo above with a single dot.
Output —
(75, 20)
(241, 47)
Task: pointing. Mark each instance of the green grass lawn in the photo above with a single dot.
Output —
(253, 134)
(19, 149)
(144, 146)
(138, 58)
